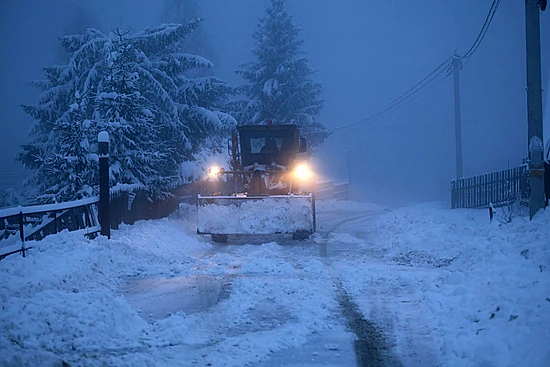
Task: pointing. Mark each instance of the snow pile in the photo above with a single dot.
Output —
(66, 301)
(256, 216)
(52, 299)
(482, 288)
(62, 298)
(448, 286)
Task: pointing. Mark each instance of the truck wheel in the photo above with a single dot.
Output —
(216, 237)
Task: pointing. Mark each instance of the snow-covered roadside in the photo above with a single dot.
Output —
(477, 291)
(63, 301)
(445, 284)
(62, 297)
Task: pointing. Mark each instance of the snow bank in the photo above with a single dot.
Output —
(483, 288)
(65, 301)
(61, 301)
(476, 292)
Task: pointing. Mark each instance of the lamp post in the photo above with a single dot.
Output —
(104, 197)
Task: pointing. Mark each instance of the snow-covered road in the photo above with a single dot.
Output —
(382, 315)
(417, 286)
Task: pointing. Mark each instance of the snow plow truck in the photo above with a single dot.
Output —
(267, 189)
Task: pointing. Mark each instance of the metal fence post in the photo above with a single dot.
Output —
(104, 220)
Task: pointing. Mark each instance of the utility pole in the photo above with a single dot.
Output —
(534, 105)
(457, 64)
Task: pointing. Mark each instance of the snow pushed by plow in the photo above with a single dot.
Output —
(115, 302)
(255, 215)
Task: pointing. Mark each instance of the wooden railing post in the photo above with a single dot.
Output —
(87, 221)
(104, 220)
(22, 233)
(55, 222)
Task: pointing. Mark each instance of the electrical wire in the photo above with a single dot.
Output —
(417, 90)
(424, 85)
(403, 96)
(484, 29)
(412, 98)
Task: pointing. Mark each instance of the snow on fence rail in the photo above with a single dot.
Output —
(37, 221)
(497, 188)
(331, 190)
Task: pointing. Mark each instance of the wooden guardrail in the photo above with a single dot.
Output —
(33, 223)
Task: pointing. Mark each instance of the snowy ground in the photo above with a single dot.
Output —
(415, 286)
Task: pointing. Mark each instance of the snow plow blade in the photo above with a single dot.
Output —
(275, 214)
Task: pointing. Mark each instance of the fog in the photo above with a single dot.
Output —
(366, 53)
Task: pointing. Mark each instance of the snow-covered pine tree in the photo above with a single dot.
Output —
(59, 149)
(71, 170)
(134, 87)
(125, 113)
(199, 84)
(279, 85)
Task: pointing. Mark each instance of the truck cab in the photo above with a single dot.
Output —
(270, 145)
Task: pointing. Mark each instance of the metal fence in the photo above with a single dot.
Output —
(497, 189)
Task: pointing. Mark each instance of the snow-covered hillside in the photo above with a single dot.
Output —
(434, 287)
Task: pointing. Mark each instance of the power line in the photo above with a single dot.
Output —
(403, 96)
(409, 100)
(412, 93)
(420, 88)
(484, 29)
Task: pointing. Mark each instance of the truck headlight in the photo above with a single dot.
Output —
(213, 171)
(302, 172)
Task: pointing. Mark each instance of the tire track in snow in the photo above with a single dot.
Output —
(372, 347)
(396, 324)
(411, 332)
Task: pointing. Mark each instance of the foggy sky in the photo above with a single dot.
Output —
(367, 53)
